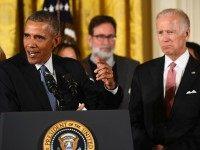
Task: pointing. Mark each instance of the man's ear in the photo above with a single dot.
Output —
(57, 40)
(187, 34)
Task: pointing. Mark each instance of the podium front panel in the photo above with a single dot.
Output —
(26, 130)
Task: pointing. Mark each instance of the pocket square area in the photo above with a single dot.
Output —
(191, 92)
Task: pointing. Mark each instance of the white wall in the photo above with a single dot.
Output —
(191, 7)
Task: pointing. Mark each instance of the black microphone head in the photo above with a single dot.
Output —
(50, 82)
(71, 84)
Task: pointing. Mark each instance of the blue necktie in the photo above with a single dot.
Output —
(52, 99)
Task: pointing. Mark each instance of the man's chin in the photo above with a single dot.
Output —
(33, 61)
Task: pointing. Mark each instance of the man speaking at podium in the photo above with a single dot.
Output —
(37, 80)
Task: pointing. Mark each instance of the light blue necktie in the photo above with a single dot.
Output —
(43, 69)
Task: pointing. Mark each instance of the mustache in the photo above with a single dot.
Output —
(108, 47)
(103, 54)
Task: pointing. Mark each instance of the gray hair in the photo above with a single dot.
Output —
(46, 17)
(178, 12)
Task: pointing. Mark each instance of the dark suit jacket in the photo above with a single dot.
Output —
(149, 125)
(22, 90)
(124, 71)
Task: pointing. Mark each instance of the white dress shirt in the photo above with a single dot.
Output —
(49, 65)
(181, 63)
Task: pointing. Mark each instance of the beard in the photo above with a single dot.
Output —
(97, 52)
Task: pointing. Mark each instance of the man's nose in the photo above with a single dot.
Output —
(30, 42)
(165, 37)
(106, 41)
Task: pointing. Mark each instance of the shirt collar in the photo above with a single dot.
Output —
(48, 64)
(180, 62)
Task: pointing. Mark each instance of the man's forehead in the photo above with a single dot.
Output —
(37, 25)
(168, 20)
(104, 27)
(39, 28)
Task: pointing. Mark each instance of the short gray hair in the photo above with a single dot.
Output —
(46, 17)
(178, 12)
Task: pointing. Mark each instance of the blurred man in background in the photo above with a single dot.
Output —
(102, 35)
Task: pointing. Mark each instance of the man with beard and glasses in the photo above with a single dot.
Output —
(102, 34)
(22, 78)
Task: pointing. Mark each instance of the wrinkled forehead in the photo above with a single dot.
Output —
(177, 18)
(34, 26)
(171, 22)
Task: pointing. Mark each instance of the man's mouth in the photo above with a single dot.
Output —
(105, 49)
(167, 46)
(32, 53)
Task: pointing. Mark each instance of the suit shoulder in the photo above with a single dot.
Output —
(85, 61)
(69, 64)
(65, 60)
(13, 61)
(126, 60)
(151, 63)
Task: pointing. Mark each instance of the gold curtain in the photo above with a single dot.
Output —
(12, 16)
(8, 26)
(133, 19)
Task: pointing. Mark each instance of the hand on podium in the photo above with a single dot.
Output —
(158, 147)
(81, 106)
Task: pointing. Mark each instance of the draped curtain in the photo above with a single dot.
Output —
(133, 19)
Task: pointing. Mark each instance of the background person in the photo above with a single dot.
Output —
(194, 49)
(102, 34)
(67, 50)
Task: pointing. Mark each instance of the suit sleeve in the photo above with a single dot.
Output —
(140, 137)
(8, 101)
(96, 99)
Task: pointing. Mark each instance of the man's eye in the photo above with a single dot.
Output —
(170, 32)
(40, 38)
(26, 35)
(100, 36)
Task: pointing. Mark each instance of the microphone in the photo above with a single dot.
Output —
(53, 88)
(71, 84)
(72, 87)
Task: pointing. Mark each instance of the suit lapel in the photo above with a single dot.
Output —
(188, 78)
(156, 98)
(59, 72)
(156, 73)
(32, 77)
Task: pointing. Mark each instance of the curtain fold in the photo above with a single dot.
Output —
(9, 27)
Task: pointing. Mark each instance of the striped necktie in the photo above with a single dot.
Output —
(43, 70)
(170, 88)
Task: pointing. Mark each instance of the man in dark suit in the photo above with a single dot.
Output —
(21, 84)
(165, 100)
(102, 34)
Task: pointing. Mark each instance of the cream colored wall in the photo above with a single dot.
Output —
(191, 7)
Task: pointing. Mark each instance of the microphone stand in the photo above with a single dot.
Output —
(53, 88)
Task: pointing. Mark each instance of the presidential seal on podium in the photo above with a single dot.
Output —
(68, 135)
